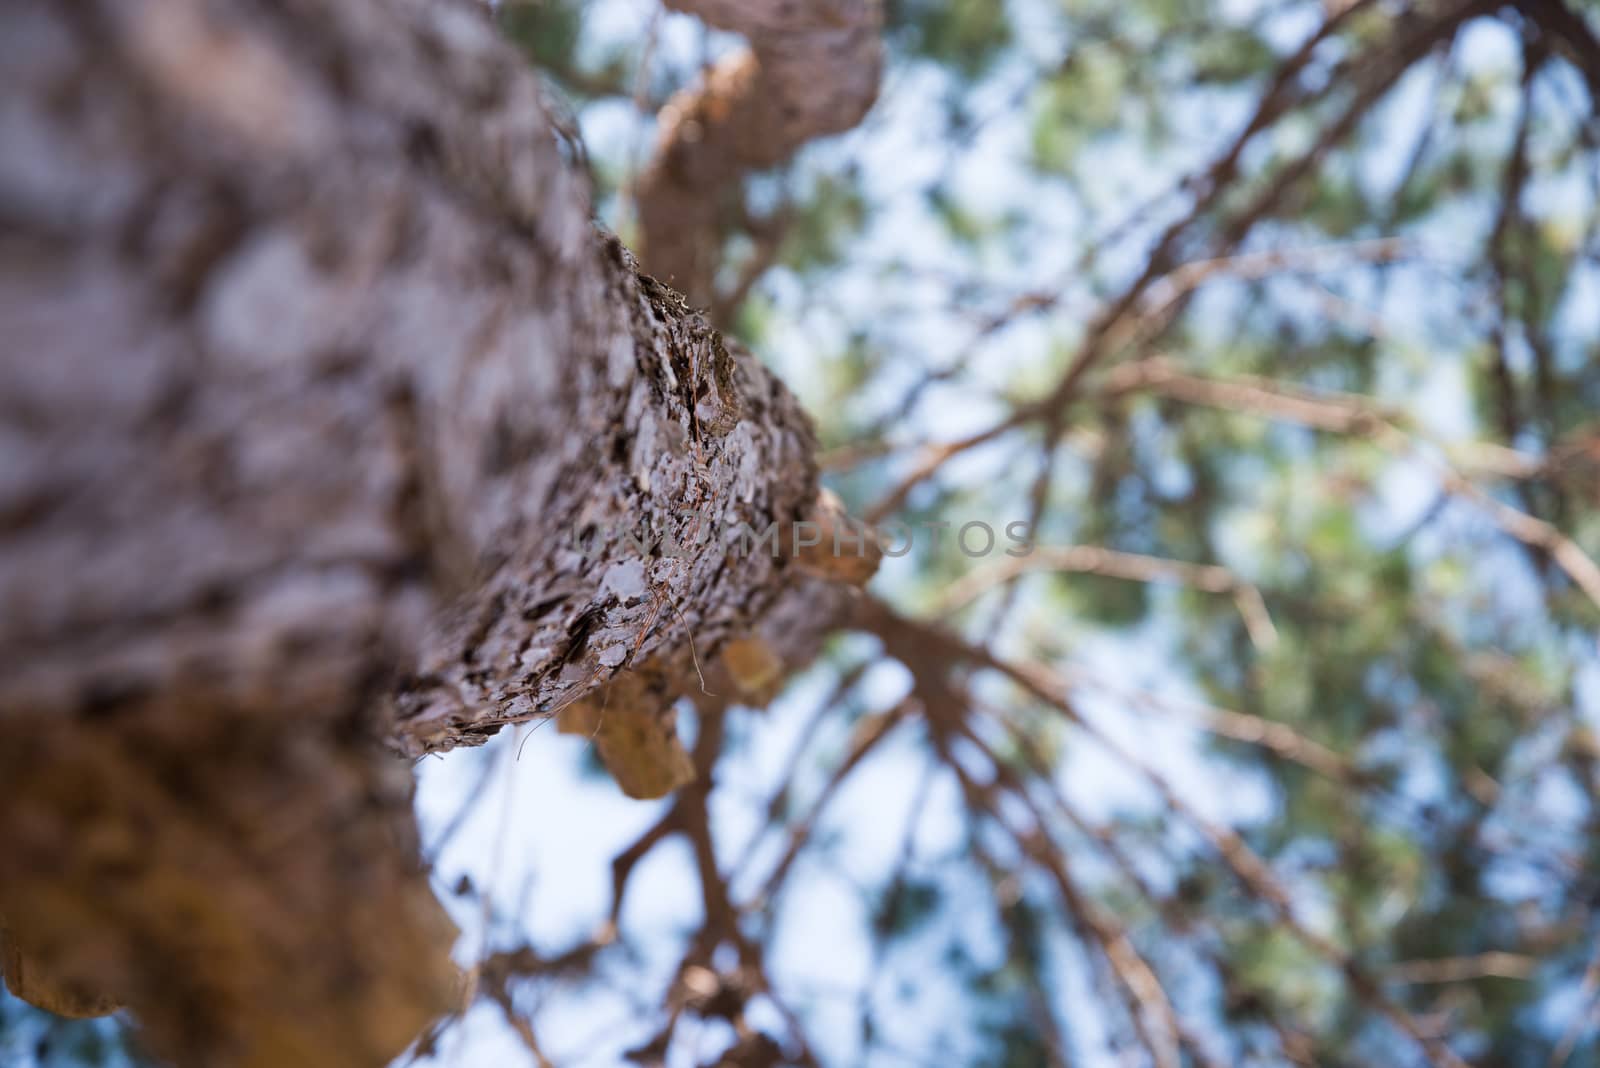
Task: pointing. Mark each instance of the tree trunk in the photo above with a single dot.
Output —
(313, 368)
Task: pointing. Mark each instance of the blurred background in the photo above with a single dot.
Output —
(1278, 325)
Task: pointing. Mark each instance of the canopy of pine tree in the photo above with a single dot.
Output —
(822, 532)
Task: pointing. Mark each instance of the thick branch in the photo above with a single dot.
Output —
(812, 69)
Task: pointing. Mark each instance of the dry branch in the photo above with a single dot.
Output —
(1361, 417)
(1132, 567)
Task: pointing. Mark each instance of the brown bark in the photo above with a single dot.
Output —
(812, 69)
(312, 366)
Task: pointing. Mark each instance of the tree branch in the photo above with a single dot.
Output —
(812, 69)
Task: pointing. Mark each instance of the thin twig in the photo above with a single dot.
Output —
(1133, 567)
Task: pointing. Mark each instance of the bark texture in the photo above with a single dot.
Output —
(812, 69)
(313, 366)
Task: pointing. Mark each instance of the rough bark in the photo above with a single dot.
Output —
(313, 364)
(812, 69)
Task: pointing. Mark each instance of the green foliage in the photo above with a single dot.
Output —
(1083, 99)
(1232, 54)
(966, 35)
(831, 213)
(547, 30)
